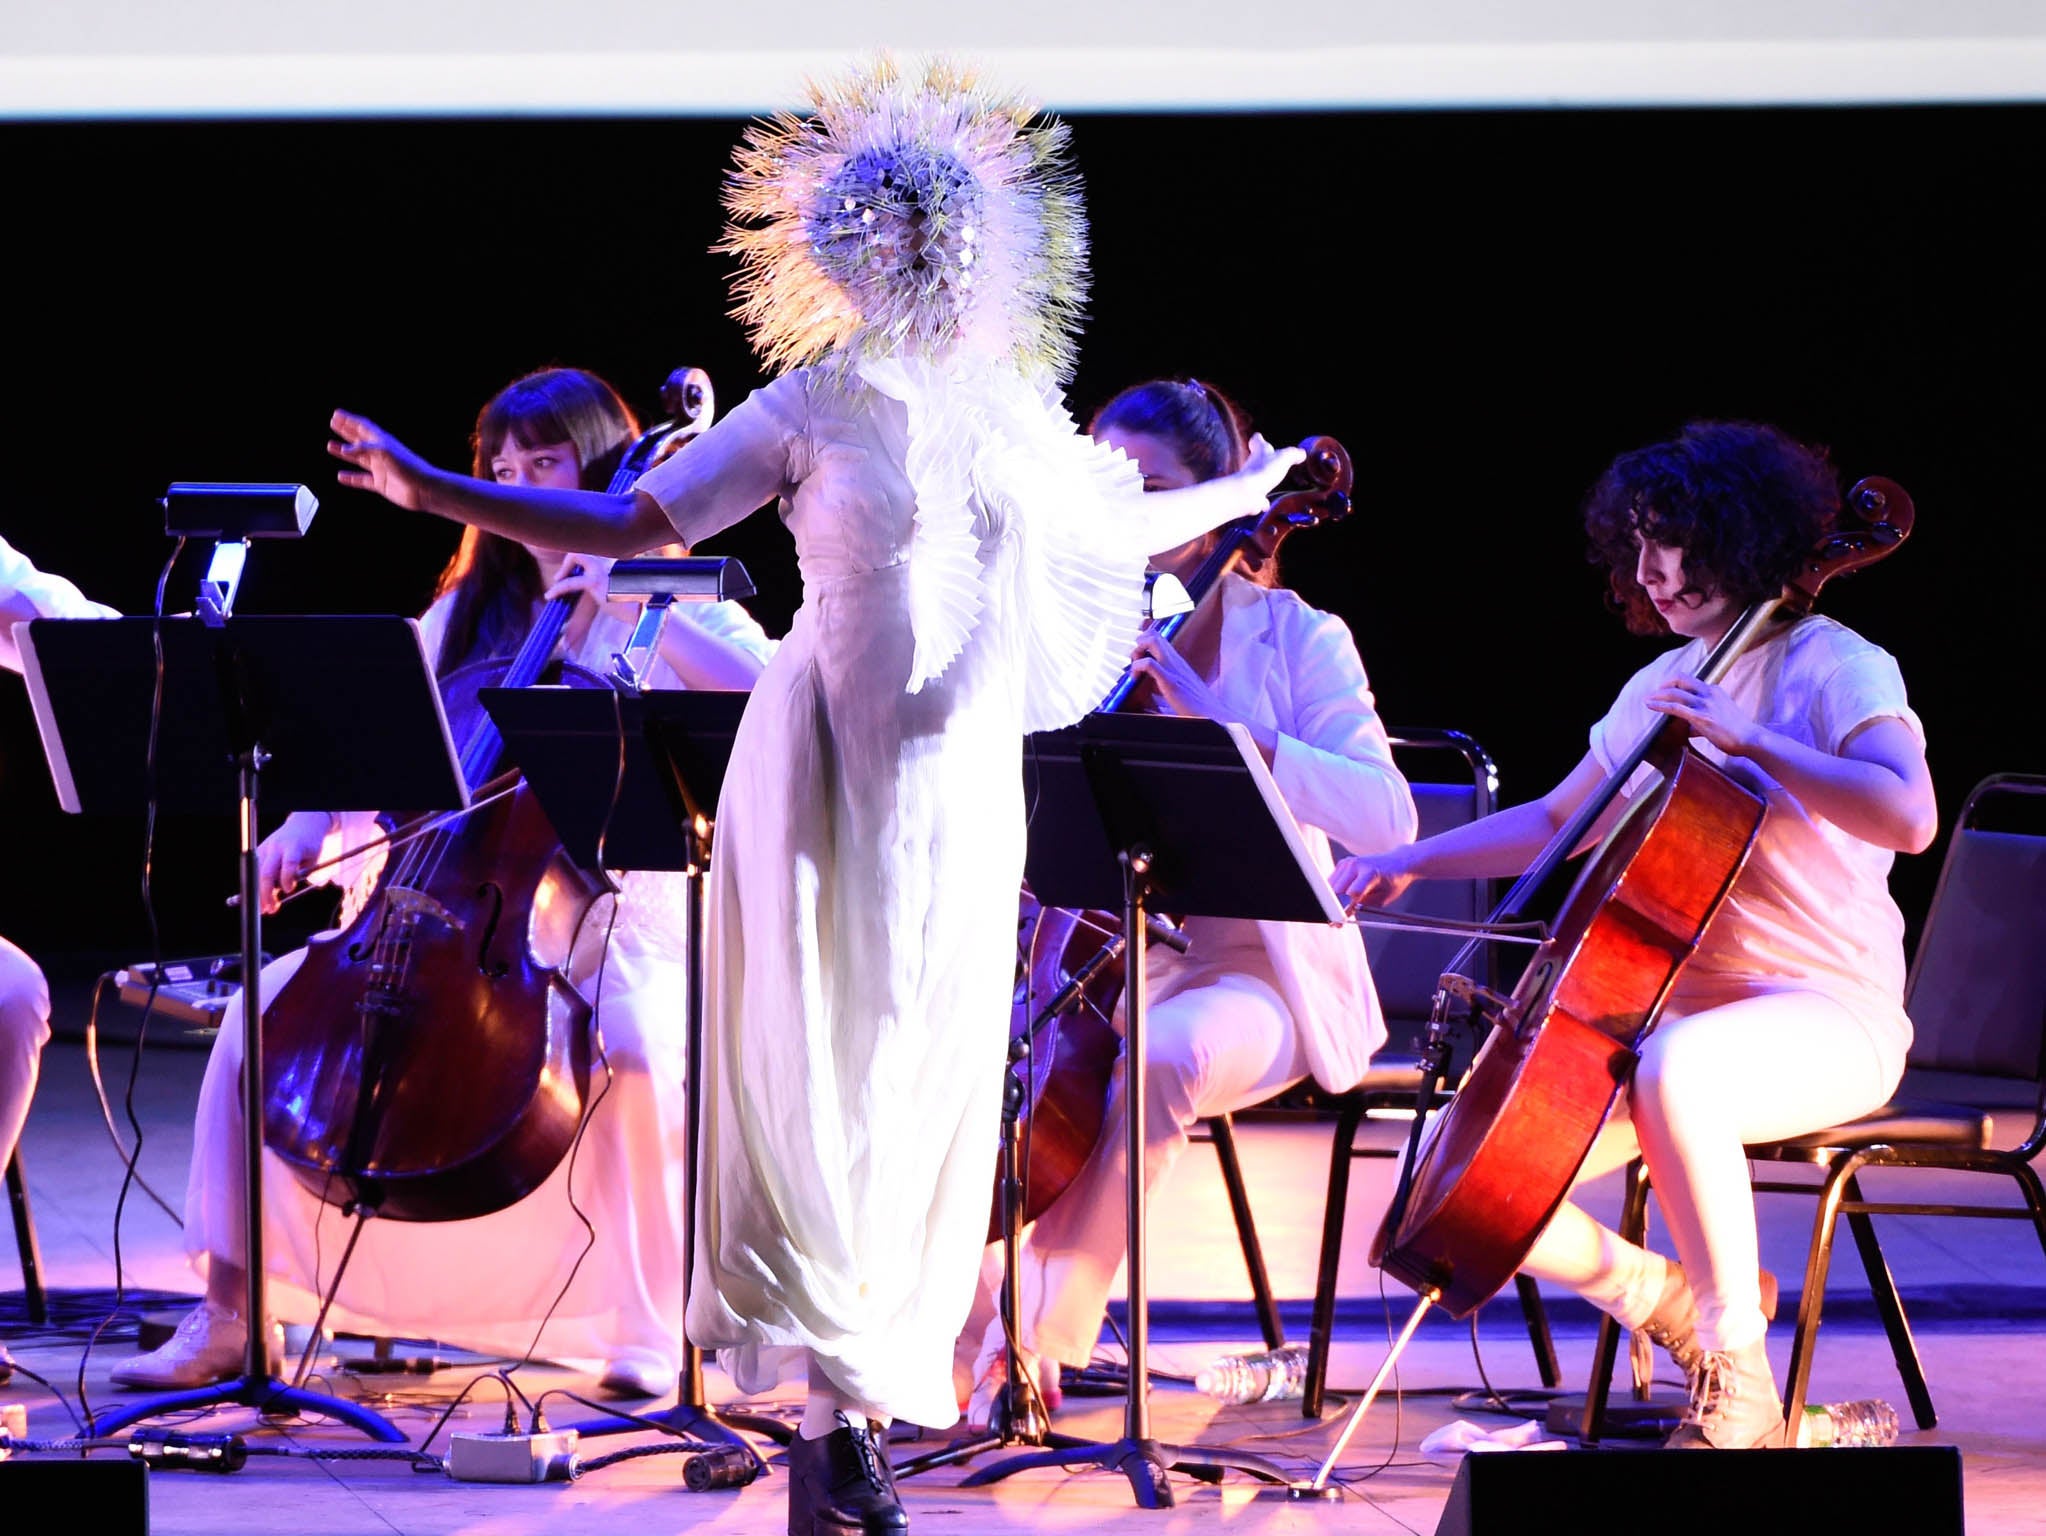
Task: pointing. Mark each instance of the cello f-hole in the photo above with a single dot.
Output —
(491, 892)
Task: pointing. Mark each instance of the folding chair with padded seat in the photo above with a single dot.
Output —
(1976, 994)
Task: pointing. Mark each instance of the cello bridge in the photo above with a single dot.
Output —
(409, 903)
(1494, 1007)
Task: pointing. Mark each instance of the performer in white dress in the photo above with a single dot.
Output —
(487, 1283)
(1251, 1008)
(973, 569)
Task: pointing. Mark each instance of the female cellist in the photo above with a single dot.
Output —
(1251, 1007)
(486, 1283)
(1789, 1016)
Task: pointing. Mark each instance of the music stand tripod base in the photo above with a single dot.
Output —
(658, 813)
(318, 714)
(1181, 812)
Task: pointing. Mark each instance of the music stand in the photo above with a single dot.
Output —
(1181, 815)
(320, 714)
(658, 814)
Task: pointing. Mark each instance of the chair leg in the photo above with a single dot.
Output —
(1322, 1330)
(1633, 1226)
(1538, 1335)
(2035, 1198)
(1825, 1222)
(1223, 1131)
(1890, 1307)
(25, 1243)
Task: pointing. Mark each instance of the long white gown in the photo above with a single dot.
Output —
(487, 1283)
(972, 569)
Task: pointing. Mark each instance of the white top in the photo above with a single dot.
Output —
(1812, 907)
(651, 915)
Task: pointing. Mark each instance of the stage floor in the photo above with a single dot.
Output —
(1977, 1290)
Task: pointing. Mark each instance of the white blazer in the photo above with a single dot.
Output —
(1295, 670)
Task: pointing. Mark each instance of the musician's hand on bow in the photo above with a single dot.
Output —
(1180, 689)
(1711, 713)
(378, 462)
(291, 848)
(1373, 880)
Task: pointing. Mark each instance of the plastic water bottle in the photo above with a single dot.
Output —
(1866, 1421)
(1260, 1378)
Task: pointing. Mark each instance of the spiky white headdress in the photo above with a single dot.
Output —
(919, 219)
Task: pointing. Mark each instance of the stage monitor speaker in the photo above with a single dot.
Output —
(1914, 1488)
(103, 1496)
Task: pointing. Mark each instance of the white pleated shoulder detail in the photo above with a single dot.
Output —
(1009, 490)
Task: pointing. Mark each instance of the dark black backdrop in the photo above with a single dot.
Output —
(1484, 307)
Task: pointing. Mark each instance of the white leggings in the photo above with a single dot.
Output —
(1753, 1069)
(1217, 1036)
(24, 1027)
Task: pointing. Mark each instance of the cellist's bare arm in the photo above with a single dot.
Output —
(1877, 787)
(1501, 844)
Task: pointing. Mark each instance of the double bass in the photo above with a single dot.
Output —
(1061, 1022)
(1477, 1194)
(431, 1060)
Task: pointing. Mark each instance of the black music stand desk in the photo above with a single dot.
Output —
(631, 781)
(329, 714)
(1158, 812)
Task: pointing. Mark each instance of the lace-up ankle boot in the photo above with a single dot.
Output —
(1734, 1405)
(842, 1483)
(1674, 1322)
(209, 1346)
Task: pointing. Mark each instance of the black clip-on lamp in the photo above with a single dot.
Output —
(658, 584)
(232, 513)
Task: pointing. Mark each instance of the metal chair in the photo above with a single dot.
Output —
(1976, 994)
(1404, 970)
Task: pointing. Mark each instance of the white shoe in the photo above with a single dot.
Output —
(638, 1376)
(209, 1346)
(1734, 1405)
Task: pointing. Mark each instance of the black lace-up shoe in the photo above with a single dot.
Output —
(843, 1483)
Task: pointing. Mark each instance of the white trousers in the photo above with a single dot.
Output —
(485, 1284)
(1752, 1068)
(24, 1028)
(1217, 1036)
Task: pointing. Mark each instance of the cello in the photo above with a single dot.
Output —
(430, 1060)
(1502, 1156)
(1061, 1021)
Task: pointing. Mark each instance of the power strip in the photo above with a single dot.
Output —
(545, 1458)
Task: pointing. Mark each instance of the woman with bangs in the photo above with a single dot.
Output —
(1789, 1016)
(613, 1292)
